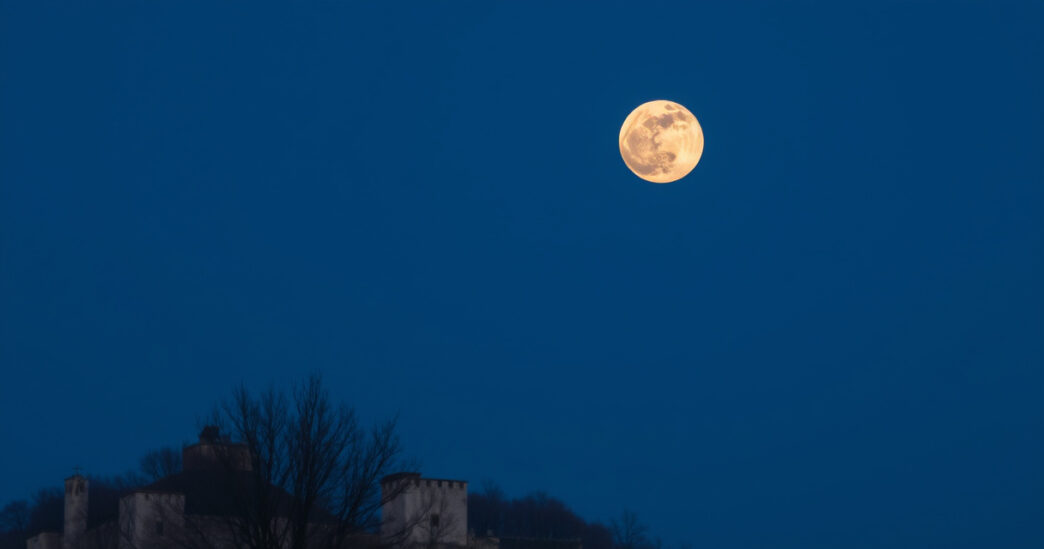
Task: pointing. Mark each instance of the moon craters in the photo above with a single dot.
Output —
(661, 141)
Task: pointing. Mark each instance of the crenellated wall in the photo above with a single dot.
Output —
(423, 511)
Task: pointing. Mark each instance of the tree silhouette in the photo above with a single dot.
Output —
(159, 463)
(315, 471)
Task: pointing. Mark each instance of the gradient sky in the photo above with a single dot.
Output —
(831, 334)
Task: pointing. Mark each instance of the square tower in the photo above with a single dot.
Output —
(423, 511)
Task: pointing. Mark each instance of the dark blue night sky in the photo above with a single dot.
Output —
(831, 334)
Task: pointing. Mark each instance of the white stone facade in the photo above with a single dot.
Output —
(424, 512)
(147, 519)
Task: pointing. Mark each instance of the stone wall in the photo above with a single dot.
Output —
(424, 511)
(150, 519)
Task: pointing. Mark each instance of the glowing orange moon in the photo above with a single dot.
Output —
(661, 141)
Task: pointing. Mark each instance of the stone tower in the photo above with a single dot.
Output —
(423, 512)
(75, 510)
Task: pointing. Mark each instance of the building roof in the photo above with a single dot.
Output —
(215, 492)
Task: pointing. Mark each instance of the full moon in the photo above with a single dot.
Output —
(661, 141)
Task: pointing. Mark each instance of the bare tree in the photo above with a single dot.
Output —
(314, 475)
(46, 511)
(160, 463)
(486, 509)
(597, 536)
(628, 532)
(14, 517)
(14, 524)
(535, 516)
